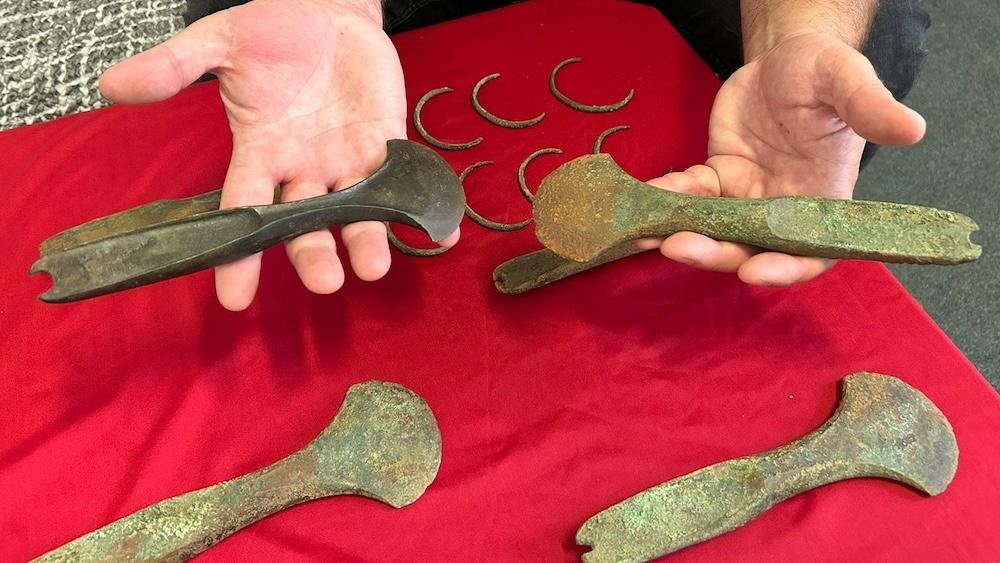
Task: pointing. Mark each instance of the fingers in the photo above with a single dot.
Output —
(771, 269)
(696, 180)
(753, 266)
(314, 255)
(452, 239)
(236, 282)
(774, 269)
(866, 105)
(162, 71)
(706, 253)
(367, 248)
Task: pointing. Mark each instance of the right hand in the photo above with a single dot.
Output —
(313, 90)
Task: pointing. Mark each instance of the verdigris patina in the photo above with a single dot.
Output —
(383, 444)
(882, 428)
(589, 205)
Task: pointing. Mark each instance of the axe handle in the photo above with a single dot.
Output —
(178, 528)
(804, 226)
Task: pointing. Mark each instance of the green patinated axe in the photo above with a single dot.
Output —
(383, 444)
(882, 428)
(589, 206)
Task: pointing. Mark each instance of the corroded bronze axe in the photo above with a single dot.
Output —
(882, 428)
(589, 205)
(171, 238)
(383, 444)
(542, 267)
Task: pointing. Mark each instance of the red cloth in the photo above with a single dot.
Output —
(553, 405)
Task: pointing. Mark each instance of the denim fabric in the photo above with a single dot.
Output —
(896, 44)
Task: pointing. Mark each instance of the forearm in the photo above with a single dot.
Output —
(768, 22)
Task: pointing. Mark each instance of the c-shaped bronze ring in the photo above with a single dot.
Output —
(483, 221)
(577, 105)
(604, 135)
(412, 250)
(521, 181)
(419, 126)
(508, 123)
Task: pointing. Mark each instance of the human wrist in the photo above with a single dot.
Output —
(767, 23)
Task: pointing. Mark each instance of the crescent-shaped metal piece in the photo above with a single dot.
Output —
(494, 119)
(521, 181)
(483, 221)
(419, 126)
(577, 105)
(412, 250)
(604, 135)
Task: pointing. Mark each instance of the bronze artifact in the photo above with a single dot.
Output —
(590, 205)
(542, 267)
(414, 186)
(494, 119)
(412, 250)
(604, 135)
(577, 105)
(419, 126)
(483, 221)
(149, 214)
(521, 181)
(882, 428)
(469, 212)
(384, 444)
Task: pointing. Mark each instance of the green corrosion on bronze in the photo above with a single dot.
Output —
(882, 428)
(589, 205)
(383, 444)
(542, 267)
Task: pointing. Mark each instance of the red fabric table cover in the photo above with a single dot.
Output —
(552, 405)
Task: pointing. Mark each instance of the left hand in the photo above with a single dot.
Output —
(792, 122)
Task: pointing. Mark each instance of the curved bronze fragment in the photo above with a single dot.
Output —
(412, 250)
(494, 119)
(419, 126)
(479, 219)
(577, 105)
(604, 135)
(521, 182)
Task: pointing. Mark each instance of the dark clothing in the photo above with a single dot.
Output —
(895, 43)
(712, 27)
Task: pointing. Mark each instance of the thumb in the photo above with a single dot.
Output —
(162, 71)
(696, 180)
(867, 106)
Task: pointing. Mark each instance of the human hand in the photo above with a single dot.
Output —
(792, 122)
(313, 90)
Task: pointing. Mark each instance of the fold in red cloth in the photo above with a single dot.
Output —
(553, 405)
